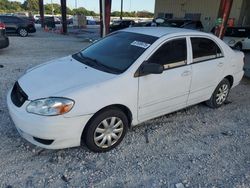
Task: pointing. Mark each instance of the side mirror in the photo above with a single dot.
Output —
(150, 68)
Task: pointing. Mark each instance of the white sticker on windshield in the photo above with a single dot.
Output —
(140, 44)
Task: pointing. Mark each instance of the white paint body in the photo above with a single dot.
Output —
(146, 97)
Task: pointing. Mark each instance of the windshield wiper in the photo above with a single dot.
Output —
(96, 63)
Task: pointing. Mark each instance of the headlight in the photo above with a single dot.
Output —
(51, 106)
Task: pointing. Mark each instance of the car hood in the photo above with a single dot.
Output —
(50, 79)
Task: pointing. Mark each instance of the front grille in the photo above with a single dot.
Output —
(18, 96)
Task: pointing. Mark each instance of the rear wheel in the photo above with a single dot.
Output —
(23, 32)
(220, 94)
(106, 130)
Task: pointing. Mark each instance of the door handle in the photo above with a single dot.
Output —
(220, 64)
(186, 73)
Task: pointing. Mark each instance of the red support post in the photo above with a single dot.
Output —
(226, 5)
(64, 16)
(107, 15)
(221, 9)
(105, 12)
(41, 12)
(101, 18)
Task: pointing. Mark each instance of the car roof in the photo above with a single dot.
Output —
(161, 31)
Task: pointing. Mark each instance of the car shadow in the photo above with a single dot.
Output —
(17, 35)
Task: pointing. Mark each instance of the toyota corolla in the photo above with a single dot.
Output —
(122, 80)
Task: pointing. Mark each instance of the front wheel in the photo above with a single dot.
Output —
(23, 32)
(106, 130)
(220, 94)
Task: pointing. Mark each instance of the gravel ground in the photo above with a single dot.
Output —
(194, 147)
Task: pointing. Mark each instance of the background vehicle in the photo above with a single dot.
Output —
(18, 25)
(4, 40)
(180, 23)
(187, 24)
(238, 37)
(121, 24)
(25, 15)
(70, 20)
(36, 18)
(144, 24)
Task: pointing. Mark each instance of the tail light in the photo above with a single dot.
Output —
(2, 26)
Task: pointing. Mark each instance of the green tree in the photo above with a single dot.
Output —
(145, 14)
(7, 6)
(56, 7)
(31, 5)
(80, 10)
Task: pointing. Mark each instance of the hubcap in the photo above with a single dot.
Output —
(23, 32)
(221, 96)
(108, 132)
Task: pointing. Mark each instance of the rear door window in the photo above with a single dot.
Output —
(204, 49)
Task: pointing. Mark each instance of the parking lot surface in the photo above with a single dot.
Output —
(194, 147)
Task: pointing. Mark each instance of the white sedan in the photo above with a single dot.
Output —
(122, 80)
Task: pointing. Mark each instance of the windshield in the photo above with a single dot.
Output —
(115, 53)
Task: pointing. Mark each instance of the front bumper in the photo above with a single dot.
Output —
(64, 132)
(4, 42)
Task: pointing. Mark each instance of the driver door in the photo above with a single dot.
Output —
(163, 93)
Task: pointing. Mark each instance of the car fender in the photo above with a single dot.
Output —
(120, 90)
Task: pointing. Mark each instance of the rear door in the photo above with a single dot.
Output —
(207, 68)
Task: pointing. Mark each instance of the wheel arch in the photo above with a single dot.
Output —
(21, 27)
(121, 107)
(230, 78)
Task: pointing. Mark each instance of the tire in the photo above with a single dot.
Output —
(22, 32)
(220, 94)
(106, 130)
(238, 46)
